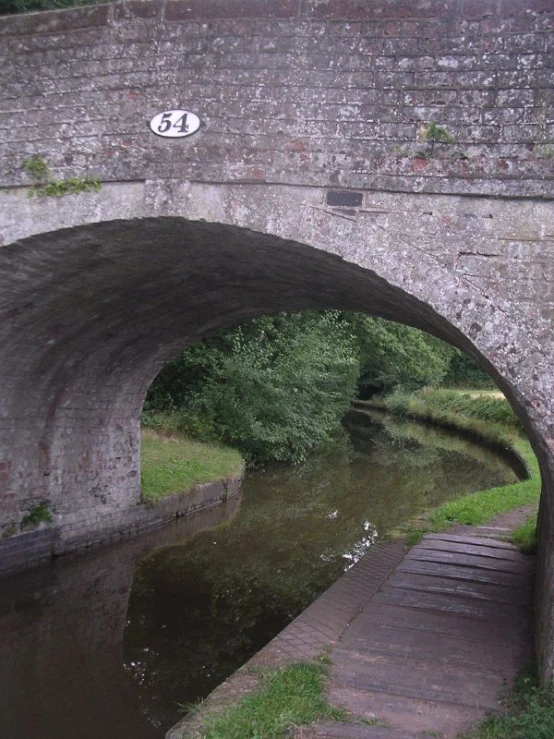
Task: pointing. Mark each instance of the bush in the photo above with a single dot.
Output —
(275, 388)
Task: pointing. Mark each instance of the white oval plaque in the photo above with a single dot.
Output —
(175, 124)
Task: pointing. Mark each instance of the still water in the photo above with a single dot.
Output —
(115, 643)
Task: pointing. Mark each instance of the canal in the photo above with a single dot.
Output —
(120, 641)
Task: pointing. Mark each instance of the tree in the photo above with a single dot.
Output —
(392, 354)
(275, 387)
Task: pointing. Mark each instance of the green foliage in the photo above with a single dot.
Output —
(481, 406)
(525, 536)
(69, 186)
(288, 697)
(392, 354)
(529, 714)
(456, 410)
(174, 464)
(37, 167)
(23, 6)
(277, 386)
(39, 513)
(274, 387)
(434, 133)
(464, 372)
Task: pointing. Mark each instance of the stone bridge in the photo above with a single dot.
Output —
(314, 181)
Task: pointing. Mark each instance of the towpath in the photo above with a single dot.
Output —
(422, 641)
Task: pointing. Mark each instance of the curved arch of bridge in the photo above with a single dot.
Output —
(91, 313)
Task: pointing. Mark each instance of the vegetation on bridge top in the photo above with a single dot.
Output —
(25, 6)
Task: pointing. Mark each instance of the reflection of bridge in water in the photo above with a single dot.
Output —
(61, 636)
(313, 182)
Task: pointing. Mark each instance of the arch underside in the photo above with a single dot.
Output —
(90, 315)
(94, 312)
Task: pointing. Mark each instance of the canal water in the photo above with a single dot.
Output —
(119, 642)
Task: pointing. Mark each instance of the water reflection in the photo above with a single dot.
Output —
(78, 657)
(204, 607)
(61, 632)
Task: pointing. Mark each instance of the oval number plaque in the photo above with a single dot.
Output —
(175, 124)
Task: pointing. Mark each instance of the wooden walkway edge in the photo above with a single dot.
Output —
(435, 648)
(423, 641)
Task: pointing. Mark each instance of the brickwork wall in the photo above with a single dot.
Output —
(84, 529)
(307, 92)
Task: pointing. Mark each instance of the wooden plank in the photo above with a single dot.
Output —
(414, 716)
(469, 560)
(439, 622)
(512, 555)
(520, 581)
(454, 604)
(472, 539)
(416, 679)
(443, 649)
(452, 586)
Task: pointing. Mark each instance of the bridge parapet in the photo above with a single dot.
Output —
(332, 93)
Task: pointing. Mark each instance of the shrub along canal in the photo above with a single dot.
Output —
(117, 642)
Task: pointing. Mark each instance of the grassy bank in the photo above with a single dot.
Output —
(172, 463)
(529, 714)
(288, 697)
(490, 420)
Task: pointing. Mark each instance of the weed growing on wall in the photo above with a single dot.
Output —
(37, 168)
(434, 133)
(70, 186)
(39, 513)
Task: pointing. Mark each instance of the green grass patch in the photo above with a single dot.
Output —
(287, 697)
(486, 416)
(529, 714)
(172, 463)
(525, 536)
(459, 411)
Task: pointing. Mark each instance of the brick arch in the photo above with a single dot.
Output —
(307, 173)
(93, 312)
(90, 314)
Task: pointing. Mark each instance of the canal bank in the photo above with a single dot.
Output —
(202, 606)
(383, 574)
(422, 641)
(31, 548)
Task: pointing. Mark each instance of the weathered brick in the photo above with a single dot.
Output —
(177, 10)
(358, 9)
(54, 21)
(138, 9)
(335, 100)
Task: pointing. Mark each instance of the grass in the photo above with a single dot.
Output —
(173, 464)
(465, 410)
(458, 410)
(529, 714)
(287, 697)
(525, 536)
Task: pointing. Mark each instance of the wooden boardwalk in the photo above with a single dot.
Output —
(423, 641)
(433, 649)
